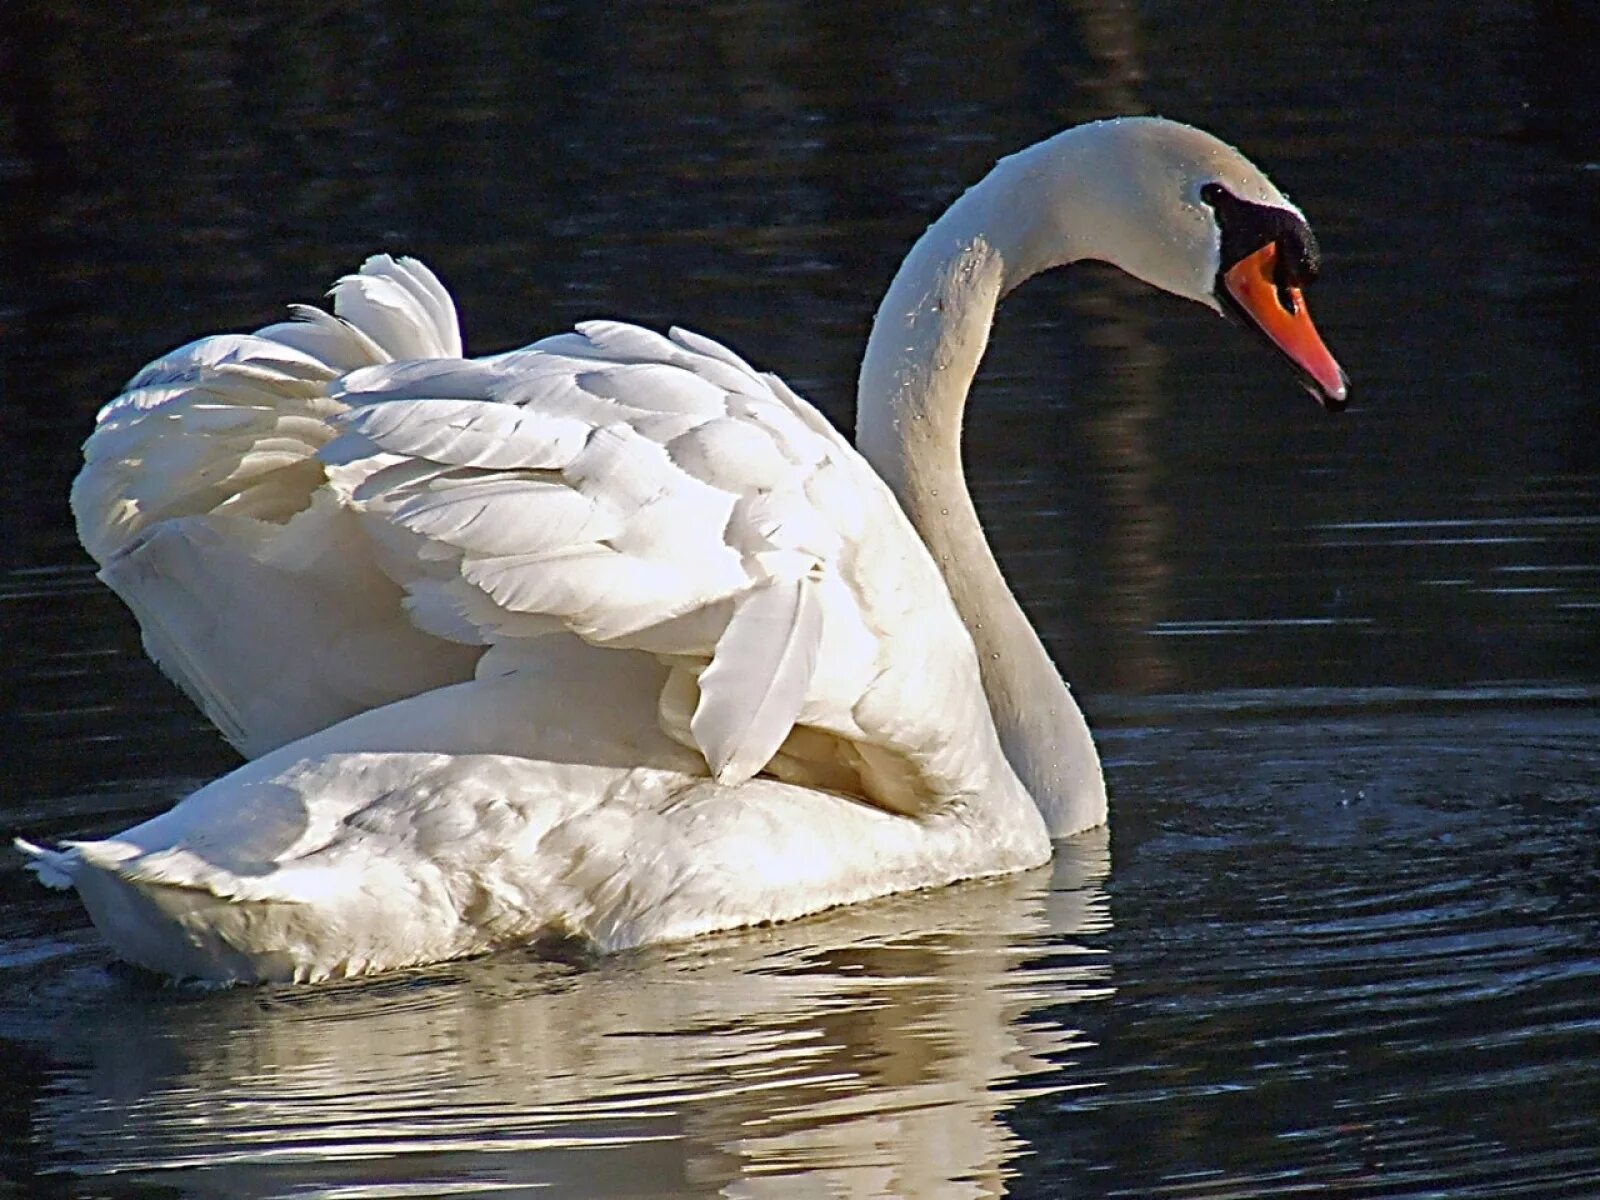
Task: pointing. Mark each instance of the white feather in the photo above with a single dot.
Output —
(326, 338)
(432, 300)
(489, 515)
(463, 433)
(392, 315)
(758, 679)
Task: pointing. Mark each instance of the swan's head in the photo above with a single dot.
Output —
(1266, 256)
(1189, 214)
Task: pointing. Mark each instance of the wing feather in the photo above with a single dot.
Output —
(757, 683)
(490, 516)
(644, 492)
(461, 433)
(204, 502)
(431, 298)
(657, 493)
(326, 338)
(705, 347)
(389, 309)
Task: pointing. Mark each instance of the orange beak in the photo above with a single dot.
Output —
(1281, 314)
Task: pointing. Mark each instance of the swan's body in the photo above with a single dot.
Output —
(613, 636)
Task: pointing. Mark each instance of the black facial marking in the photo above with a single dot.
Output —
(1247, 226)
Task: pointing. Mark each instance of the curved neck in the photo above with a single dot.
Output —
(927, 341)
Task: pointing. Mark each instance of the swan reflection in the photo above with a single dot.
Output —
(871, 1052)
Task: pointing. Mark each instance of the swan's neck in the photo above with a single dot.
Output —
(927, 340)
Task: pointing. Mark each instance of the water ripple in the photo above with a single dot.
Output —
(1354, 948)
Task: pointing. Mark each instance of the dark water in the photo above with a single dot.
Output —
(1344, 936)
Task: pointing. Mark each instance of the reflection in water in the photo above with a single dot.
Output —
(872, 1051)
(1348, 941)
(1119, 436)
(1115, 441)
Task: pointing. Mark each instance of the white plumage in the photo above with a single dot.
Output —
(612, 636)
(656, 494)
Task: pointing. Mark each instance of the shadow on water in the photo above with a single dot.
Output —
(1346, 673)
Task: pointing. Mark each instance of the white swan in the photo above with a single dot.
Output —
(724, 680)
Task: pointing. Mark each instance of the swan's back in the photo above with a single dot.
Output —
(647, 650)
(657, 495)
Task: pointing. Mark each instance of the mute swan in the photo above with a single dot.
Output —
(614, 636)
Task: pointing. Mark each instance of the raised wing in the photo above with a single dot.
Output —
(231, 423)
(203, 501)
(339, 511)
(657, 494)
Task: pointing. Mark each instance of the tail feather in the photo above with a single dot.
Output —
(180, 931)
(55, 868)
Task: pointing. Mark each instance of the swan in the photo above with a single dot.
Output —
(614, 637)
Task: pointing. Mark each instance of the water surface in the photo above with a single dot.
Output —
(1344, 933)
